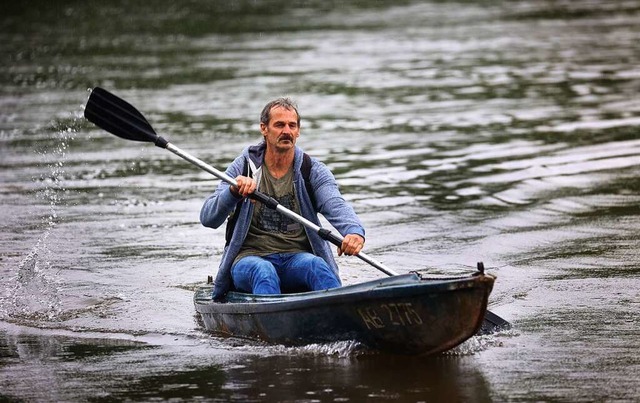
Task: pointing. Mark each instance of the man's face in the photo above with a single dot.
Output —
(282, 131)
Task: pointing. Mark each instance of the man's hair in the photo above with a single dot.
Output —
(286, 103)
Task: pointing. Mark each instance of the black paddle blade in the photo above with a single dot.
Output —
(493, 323)
(118, 117)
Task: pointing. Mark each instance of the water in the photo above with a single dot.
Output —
(461, 132)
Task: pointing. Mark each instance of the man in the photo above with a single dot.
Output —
(266, 252)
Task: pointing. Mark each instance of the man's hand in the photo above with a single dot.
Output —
(245, 187)
(352, 244)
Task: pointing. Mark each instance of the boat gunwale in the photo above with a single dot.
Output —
(371, 290)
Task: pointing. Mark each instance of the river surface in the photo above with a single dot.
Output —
(502, 132)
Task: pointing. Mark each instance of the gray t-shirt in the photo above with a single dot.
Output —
(271, 232)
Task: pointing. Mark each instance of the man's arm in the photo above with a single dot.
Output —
(336, 209)
(221, 203)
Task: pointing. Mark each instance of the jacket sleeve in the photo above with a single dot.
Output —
(222, 202)
(330, 202)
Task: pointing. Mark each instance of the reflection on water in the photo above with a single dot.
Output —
(461, 132)
(74, 369)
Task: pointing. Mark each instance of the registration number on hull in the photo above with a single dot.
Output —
(393, 314)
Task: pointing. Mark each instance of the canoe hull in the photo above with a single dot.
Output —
(402, 314)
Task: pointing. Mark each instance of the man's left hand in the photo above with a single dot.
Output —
(352, 244)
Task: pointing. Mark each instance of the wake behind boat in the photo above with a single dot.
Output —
(405, 314)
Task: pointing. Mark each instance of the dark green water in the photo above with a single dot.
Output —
(466, 131)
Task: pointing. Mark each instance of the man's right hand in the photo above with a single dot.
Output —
(245, 187)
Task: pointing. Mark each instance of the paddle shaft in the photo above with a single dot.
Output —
(273, 204)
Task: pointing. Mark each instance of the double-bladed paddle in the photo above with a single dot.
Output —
(122, 119)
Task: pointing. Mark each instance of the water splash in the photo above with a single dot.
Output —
(480, 343)
(35, 293)
(54, 189)
(341, 349)
(347, 348)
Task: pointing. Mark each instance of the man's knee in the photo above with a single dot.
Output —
(256, 275)
(263, 270)
(319, 264)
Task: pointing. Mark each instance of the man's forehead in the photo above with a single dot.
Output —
(282, 113)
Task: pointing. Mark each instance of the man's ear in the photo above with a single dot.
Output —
(263, 128)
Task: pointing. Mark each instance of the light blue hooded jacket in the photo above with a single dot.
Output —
(329, 202)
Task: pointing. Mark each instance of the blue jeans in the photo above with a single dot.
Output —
(283, 272)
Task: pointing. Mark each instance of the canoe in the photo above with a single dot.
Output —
(404, 314)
